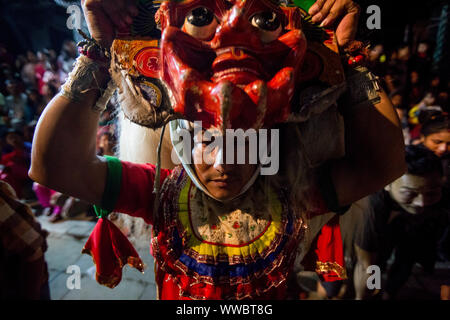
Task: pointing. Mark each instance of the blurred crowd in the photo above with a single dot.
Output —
(412, 83)
(27, 84)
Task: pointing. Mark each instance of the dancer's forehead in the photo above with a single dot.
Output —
(200, 134)
(229, 137)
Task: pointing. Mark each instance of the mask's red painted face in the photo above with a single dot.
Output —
(231, 64)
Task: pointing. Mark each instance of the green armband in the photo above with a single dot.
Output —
(112, 187)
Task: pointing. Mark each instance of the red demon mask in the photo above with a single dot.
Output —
(231, 64)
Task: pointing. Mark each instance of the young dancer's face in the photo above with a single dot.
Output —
(223, 180)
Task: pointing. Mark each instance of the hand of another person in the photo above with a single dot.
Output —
(104, 17)
(343, 14)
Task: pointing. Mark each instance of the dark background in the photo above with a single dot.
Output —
(32, 25)
(397, 16)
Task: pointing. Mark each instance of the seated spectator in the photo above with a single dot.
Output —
(4, 119)
(435, 132)
(427, 104)
(49, 91)
(435, 84)
(400, 64)
(52, 75)
(421, 59)
(443, 101)
(28, 72)
(23, 270)
(16, 101)
(407, 217)
(391, 81)
(40, 68)
(28, 131)
(57, 205)
(44, 196)
(415, 88)
(65, 207)
(66, 59)
(377, 59)
(5, 56)
(2, 102)
(397, 101)
(16, 163)
(435, 136)
(35, 102)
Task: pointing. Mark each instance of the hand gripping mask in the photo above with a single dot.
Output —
(230, 64)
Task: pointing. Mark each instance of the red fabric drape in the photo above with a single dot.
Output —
(330, 252)
(111, 251)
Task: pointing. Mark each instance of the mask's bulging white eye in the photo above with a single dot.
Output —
(269, 25)
(200, 23)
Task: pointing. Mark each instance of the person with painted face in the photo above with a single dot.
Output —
(408, 216)
(221, 230)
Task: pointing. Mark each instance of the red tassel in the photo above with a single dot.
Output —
(111, 251)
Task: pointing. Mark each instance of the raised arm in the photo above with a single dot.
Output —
(375, 151)
(64, 147)
(374, 139)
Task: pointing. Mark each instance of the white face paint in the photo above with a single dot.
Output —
(242, 147)
(212, 147)
(208, 147)
(218, 156)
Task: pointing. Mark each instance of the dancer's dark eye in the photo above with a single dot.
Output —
(200, 23)
(269, 25)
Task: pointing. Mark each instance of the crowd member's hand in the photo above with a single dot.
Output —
(104, 17)
(343, 14)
